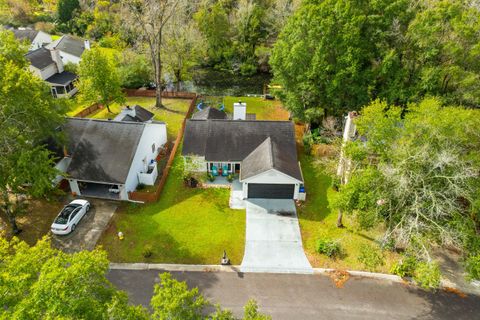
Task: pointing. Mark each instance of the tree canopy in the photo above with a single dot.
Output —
(339, 55)
(29, 116)
(417, 173)
(99, 79)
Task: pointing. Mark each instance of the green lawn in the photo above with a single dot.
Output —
(186, 225)
(317, 220)
(264, 109)
(172, 116)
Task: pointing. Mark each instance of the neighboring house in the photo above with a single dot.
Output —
(48, 66)
(262, 153)
(135, 114)
(209, 113)
(108, 159)
(36, 39)
(70, 48)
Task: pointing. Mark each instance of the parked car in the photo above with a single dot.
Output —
(70, 216)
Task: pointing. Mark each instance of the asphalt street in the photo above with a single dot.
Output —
(291, 296)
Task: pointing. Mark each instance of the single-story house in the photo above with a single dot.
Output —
(135, 114)
(48, 66)
(262, 153)
(109, 159)
(36, 39)
(70, 48)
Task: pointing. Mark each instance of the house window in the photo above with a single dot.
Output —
(229, 167)
(153, 148)
(237, 166)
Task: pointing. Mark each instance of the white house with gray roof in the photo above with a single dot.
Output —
(262, 153)
(47, 65)
(108, 159)
(36, 39)
(70, 48)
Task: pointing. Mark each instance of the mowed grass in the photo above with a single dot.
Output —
(173, 115)
(264, 109)
(186, 225)
(318, 220)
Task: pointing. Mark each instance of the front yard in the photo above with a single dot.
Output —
(318, 220)
(186, 225)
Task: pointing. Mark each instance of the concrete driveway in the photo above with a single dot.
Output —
(89, 229)
(273, 240)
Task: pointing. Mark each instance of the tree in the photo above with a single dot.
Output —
(99, 81)
(40, 282)
(417, 173)
(330, 52)
(213, 23)
(149, 18)
(182, 47)
(26, 121)
(65, 10)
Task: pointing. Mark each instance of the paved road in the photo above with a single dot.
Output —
(273, 242)
(303, 297)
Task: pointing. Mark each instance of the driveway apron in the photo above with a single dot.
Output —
(273, 239)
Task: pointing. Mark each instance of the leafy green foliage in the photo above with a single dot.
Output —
(134, 70)
(40, 282)
(472, 265)
(26, 122)
(405, 267)
(339, 55)
(415, 173)
(99, 80)
(371, 257)
(427, 275)
(329, 247)
(65, 10)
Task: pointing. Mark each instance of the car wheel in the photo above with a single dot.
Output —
(73, 228)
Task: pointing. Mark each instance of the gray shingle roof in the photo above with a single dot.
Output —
(143, 114)
(69, 44)
(209, 113)
(228, 140)
(101, 150)
(25, 34)
(63, 78)
(40, 58)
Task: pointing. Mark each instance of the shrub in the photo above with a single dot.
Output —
(307, 143)
(147, 251)
(371, 257)
(329, 248)
(336, 183)
(427, 275)
(473, 267)
(210, 177)
(406, 267)
(230, 177)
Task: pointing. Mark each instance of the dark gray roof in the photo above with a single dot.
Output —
(101, 150)
(40, 58)
(209, 113)
(26, 34)
(230, 140)
(69, 44)
(63, 78)
(143, 114)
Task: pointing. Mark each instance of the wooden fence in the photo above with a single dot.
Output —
(154, 196)
(88, 111)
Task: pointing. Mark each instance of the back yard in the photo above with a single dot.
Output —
(173, 114)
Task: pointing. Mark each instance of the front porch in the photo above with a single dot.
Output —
(223, 169)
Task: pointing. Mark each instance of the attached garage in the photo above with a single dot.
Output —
(271, 191)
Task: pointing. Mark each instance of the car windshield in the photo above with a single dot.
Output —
(66, 212)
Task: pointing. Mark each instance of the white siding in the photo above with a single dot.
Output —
(67, 57)
(153, 133)
(41, 39)
(271, 176)
(44, 73)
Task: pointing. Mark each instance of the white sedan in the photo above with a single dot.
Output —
(68, 218)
